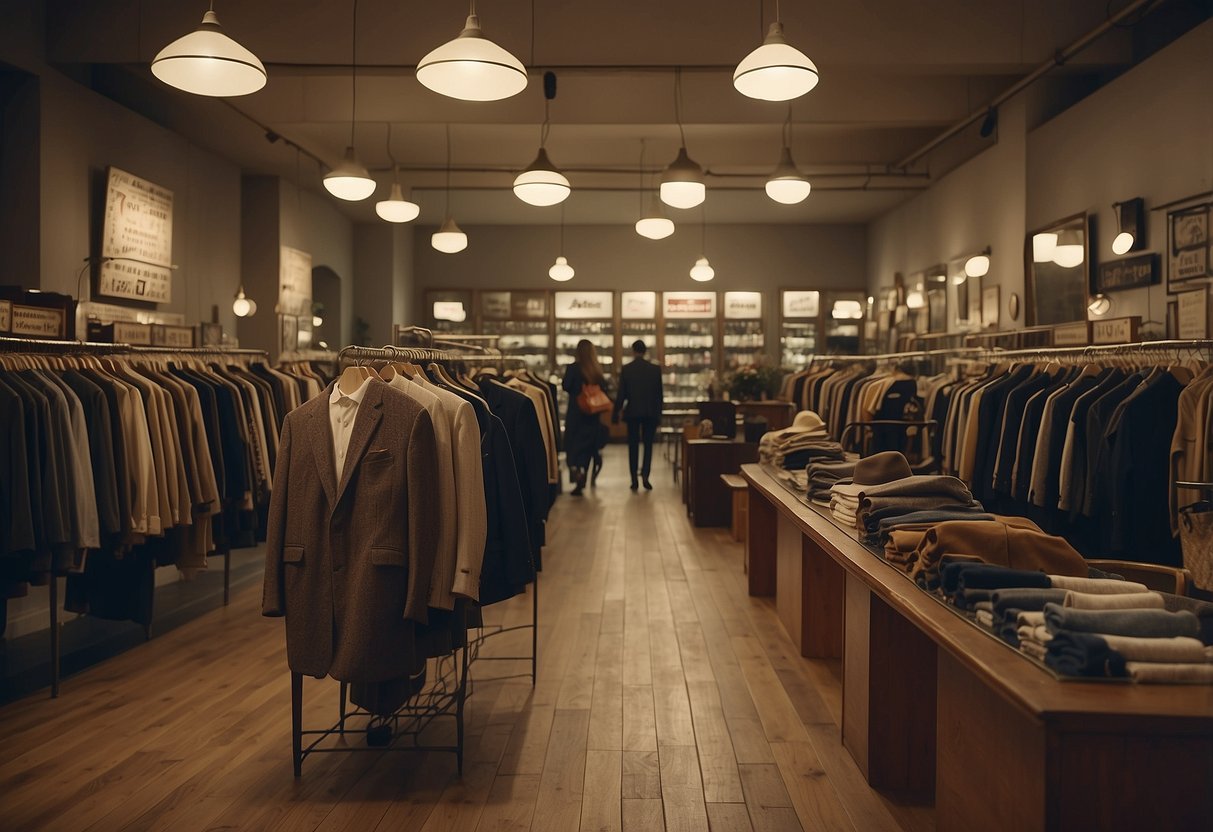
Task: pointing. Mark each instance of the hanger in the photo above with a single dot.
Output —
(352, 378)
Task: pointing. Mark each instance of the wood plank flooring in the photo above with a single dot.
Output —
(666, 699)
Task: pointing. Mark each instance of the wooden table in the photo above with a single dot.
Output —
(937, 709)
(708, 500)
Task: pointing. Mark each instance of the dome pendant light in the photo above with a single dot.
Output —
(396, 208)
(208, 62)
(702, 271)
(561, 271)
(653, 223)
(775, 71)
(682, 183)
(449, 238)
(979, 264)
(350, 180)
(787, 185)
(1070, 251)
(541, 184)
(242, 306)
(471, 67)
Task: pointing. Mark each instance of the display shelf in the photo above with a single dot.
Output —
(797, 343)
(743, 343)
(530, 341)
(688, 358)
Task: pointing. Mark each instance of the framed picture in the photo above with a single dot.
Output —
(1189, 248)
(991, 306)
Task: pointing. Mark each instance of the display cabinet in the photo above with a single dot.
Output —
(842, 325)
(522, 321)
(688, 345)
(742, 339)
(588, 315)
(638, 322)
(450, 312)
(800, 319)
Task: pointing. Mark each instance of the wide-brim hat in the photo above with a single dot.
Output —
(806, 421)
(881, 468)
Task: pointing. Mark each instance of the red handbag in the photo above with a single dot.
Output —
(592, 400)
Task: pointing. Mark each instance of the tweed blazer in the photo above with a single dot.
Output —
(349, 561)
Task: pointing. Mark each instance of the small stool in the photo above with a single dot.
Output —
(741, 504)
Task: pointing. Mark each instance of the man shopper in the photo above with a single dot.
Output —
(640, 400)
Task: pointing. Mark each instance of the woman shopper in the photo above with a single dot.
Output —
(584, 433)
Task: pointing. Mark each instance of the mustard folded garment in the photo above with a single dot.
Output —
(1123, 601)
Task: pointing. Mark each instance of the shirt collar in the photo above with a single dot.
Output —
(356, 397)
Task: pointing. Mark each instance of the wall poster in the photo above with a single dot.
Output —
(689, 305)
(638, 306)
(1189, 247)
(584, 305)
(801, 304)
(745, 306)
(1192, 309)
(136, 239)
(294, 282)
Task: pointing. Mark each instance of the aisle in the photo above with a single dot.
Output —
(665, 695)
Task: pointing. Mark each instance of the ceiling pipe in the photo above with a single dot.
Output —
(866, 186)
(763, 175)
(1058, 59)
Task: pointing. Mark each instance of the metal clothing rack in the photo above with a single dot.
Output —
(1100, 350)
(35, 346)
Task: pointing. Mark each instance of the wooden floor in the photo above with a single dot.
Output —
(666, 698)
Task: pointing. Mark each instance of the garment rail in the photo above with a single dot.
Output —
(66, 349)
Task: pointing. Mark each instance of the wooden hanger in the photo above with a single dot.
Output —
(352, 378)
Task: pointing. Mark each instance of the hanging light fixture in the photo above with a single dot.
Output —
(775, 71)
(541, 183)
(208, 62)
(787, 185)
(350, 180)
(449, 238)
(1129, 226)
(396, 208)
(1069, 252)
(1044, 245)
(1099, 305)
(243, 306)
(561, 271)
(653, 223)
(471, 67)
(979, 264)
(702, 271)
(682, 183)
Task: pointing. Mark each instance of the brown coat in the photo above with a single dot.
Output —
(349, 563)
(1014, 542)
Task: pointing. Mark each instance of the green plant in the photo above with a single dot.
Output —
(753, 382)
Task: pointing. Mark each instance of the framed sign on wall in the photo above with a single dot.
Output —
(136, 240)
(1188, 246)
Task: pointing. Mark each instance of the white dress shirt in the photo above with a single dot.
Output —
(343, 410)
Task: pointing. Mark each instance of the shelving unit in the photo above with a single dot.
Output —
(688, 345)
(742, 337)
(800, 320)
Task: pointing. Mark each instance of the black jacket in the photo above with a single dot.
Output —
(640, 394)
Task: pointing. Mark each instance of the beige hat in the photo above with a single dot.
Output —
(806, 421)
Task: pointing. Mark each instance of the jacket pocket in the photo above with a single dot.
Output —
(384, 556)
(378, 456)
(292, 554)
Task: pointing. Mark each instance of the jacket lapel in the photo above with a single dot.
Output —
(369, 413)
(322, 447)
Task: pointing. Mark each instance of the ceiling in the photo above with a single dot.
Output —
(894, 75)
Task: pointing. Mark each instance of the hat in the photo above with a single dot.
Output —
(881, 468)
(806, 421)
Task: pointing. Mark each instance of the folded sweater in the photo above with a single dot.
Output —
(1148, 672)
(1101, 586)
(1125, 601)
(1138, 623)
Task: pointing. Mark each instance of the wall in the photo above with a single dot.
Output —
(310, 222)
(1148, 133)
(746, 257)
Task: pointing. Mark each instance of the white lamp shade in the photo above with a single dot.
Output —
(242, 306)
(846, 310)
(702, 271)
(978, 265)
(787, 185)
(959, 279)
(1099, 306)
(472, 68)
(396, 208)
(915, 299)
(349, 180)
(1043, 246)
(208, 62)
(561, 270)
(775, 71)
(1068, 256)
(682, 183)
(541, 184)
(449, 238)
(317, 321)
(655, 228)
(1123, 243)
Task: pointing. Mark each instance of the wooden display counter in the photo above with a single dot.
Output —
(935, 708)
(708, 500)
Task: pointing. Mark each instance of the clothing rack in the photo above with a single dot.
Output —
(1139, 347)
(36, 346)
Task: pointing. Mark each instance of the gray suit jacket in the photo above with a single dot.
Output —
(349, 563)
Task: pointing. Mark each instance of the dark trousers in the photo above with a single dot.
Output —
(641, 430)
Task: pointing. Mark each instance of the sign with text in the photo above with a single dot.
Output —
(743, 305)
(6, 315)
(1072, 335)
(584, 305)
(450, 310)
(294, 282)
(181, 337)
(688, 305)
(801, 304)
(1188, 244)
(495, 305)
(37, 323)
(638, 306)
(529, 305)
(138, 220)
(1116, 330)
(109, 312)
(1129, 273)
(1194, 313)
(137, 281)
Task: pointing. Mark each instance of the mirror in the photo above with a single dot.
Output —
(937, 298)
(964, 289)
(1058, 267)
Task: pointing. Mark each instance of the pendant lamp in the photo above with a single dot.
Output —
(208, 62)
(702, 271)
(471, 67)
(396, 208)
(541, 184)
(787, 185)
(979, 264)
(775, 71)
(350, 180)
(682, 182)
(653, 223)
(1044, 245)
(242, 306)
(1069, 252)
(449, 238)
(561, 271)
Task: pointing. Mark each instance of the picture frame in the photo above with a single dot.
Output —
(991, 307)
(1189, 246)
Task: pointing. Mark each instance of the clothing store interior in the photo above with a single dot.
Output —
(567, 415)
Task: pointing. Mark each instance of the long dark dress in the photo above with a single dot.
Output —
(584, 433)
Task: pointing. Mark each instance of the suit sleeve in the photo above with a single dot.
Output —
(273, 595)
(623, 394)
(423, 509)
(473, 511)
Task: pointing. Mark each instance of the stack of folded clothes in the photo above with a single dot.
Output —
(793, 448)
(1014, 542)
(1147, 643)
(822, 476)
